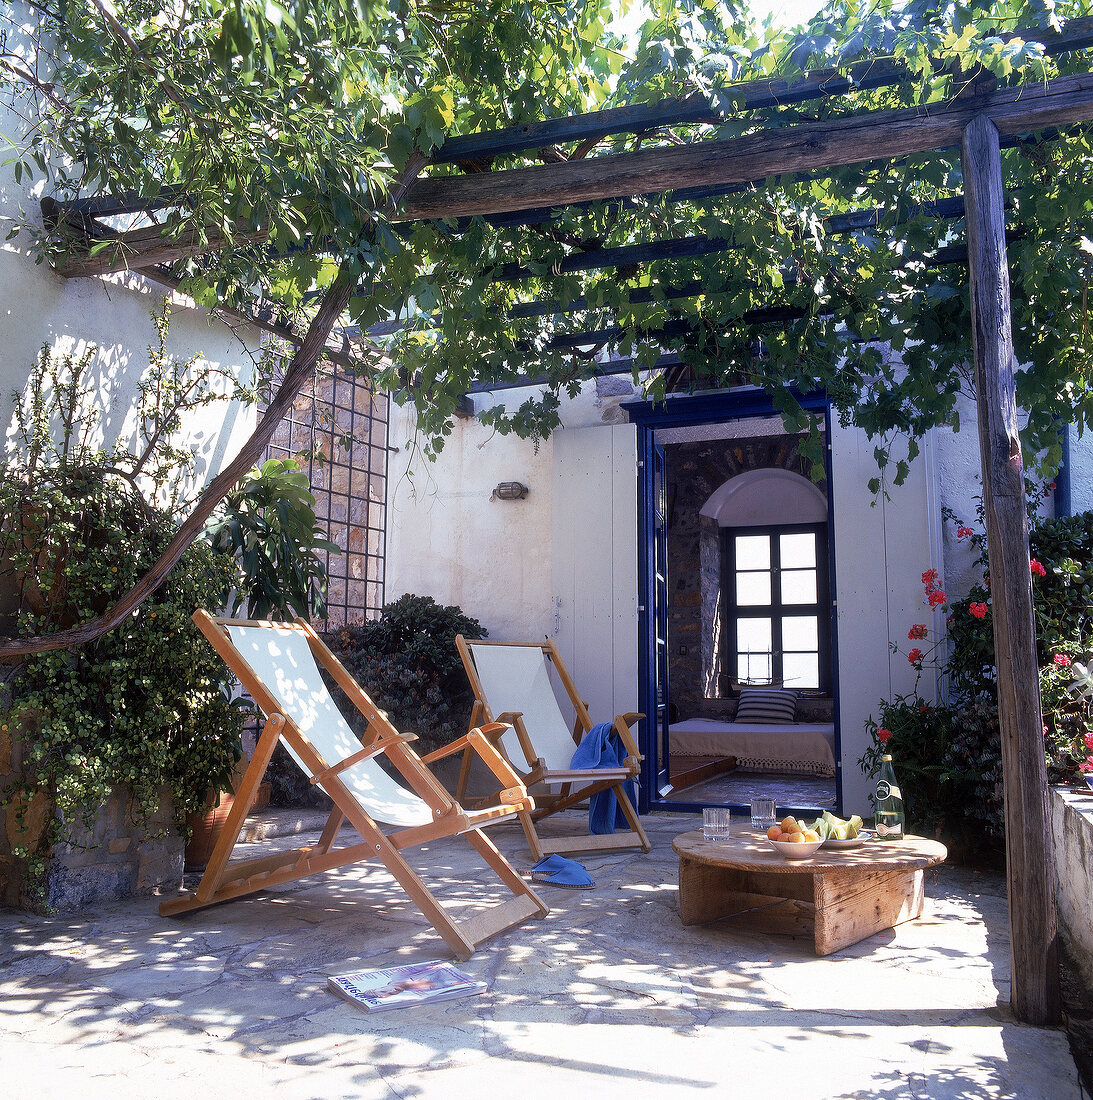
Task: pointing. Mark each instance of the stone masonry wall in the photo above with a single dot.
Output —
(115, 857)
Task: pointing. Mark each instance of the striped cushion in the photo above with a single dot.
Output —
(773, 705)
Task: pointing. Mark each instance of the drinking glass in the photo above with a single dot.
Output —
(762, 813)
(715, 823)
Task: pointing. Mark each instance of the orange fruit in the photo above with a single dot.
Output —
(795, 838)
(774, 832)
(789, 825)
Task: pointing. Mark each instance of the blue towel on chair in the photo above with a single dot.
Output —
(601, 748)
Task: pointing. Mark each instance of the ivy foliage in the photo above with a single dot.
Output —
(146, 705)
(281, 124)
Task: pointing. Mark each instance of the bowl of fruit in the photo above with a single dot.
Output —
(792, 840)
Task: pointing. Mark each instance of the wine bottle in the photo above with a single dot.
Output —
(889, 816)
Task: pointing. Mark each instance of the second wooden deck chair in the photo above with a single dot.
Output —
(512, 685)
(276, 663)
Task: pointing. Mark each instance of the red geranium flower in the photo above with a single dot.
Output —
(917, 632)
(915, 656)
(1088, 739)
(928, 578)
(883, 734)
(979, 610)
(937, 597)
(1061, 659)
(1037, 568)
(1086, 767)
(964, 532)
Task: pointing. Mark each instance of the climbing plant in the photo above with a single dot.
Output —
(145, 706)
(274, 129)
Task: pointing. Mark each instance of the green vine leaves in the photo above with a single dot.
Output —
(282, 124)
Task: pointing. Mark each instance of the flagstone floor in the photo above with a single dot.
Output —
(608, 997)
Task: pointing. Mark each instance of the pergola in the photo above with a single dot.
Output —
(980, 120)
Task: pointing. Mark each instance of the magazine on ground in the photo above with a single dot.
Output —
(400, 986)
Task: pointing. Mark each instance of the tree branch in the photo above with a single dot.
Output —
(303, 362)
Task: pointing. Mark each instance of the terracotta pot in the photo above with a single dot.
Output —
(206, 827)
(205, 830)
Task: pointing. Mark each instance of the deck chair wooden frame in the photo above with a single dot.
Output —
(551, 767)
(317, 736)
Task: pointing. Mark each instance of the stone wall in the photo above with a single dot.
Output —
(1072, 825)
(115, 857)
(695, 470)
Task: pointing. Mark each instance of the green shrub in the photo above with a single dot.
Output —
(407, 662)
(145, 705)
(267, 525)
(142, 706)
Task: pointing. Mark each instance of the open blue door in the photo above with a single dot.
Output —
(653, 616)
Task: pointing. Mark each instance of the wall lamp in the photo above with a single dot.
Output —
(509, 490)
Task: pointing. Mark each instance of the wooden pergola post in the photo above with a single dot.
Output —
(1030, 855)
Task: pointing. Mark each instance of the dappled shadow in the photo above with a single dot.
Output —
(608, 993)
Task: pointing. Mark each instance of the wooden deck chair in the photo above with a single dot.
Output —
(276, 663)
(511, 684)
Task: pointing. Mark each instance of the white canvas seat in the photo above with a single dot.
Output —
(277, 664)
(512, 685)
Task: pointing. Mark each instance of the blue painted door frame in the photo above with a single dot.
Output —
(653, 687)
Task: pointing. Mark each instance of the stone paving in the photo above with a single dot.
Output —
(607, 997)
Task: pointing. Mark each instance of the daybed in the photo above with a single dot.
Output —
(807, 747)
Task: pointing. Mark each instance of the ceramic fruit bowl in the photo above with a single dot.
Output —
(790, 850)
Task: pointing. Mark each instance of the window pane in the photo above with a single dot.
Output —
(753, 551)
(801, 670)
(753, 589)
(798, 585)
(797, 551)
(800, 632)
(754, 635)
(754, 668)
(753, 648)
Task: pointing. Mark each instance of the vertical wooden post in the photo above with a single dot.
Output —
(1030, 857)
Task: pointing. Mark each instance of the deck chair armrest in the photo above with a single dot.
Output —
(493, 731)
(622, 724)
(483, 741)
(374, 748)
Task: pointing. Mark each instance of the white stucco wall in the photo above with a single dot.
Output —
(447, 539)
(39, 307)
(882, 548)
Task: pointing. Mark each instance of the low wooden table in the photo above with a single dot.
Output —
(838, 897)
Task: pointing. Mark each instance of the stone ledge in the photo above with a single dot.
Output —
(1072, 826)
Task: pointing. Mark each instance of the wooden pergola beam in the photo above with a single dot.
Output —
(852, 140)
(136, 249)
(752, 95)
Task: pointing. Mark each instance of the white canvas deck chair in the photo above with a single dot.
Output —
(276, 663)
(511, 684)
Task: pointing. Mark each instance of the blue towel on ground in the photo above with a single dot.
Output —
(601, 748)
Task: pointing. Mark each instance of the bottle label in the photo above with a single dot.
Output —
(889, 830)
(887, 790)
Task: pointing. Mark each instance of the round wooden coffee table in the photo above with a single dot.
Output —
(838, 896)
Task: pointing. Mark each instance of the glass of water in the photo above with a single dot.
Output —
(715, 823)
(762, 813)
